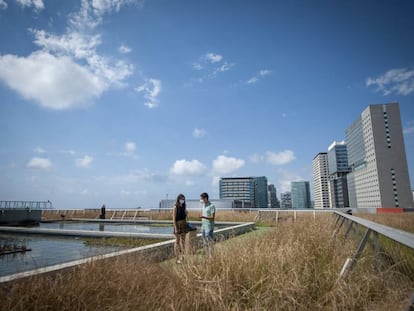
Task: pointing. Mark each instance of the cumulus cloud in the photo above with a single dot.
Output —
(54, 82)
(39, 163)
(151, 89)
(397, 81)
(226, 165)
(184, 167)
(280, 158)
(86, 161)
(66, 72)
(198, 133)
(37, 4)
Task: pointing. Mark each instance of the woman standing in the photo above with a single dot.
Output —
(180, 226)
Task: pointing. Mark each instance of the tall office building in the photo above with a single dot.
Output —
(300, 194)
(273, 202)
(285, 200)
(338, 170)
(320, 180)
(377, 159)
(260, 193)
(246, 189)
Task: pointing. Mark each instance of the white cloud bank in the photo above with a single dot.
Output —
(398, 81)
(67, 71)
(39, 163)
(184, 167)
(226, 165)
(3, 5)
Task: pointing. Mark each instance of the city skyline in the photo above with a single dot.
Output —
(126, 102)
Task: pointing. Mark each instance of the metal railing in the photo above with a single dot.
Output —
(43, 205)
(392, 251)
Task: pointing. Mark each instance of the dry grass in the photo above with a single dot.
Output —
(403, 221)
(294, 266)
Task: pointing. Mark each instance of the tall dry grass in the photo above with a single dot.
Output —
(294, 266)
(404, 221)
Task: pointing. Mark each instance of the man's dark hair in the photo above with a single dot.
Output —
(204, 195)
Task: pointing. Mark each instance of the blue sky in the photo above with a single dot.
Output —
(124, 102)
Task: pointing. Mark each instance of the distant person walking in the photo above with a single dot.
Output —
(180, 226)
(207, 223)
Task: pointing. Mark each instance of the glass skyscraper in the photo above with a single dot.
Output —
(320, 180)
(247, 189)
(300, 195)
(338, 170)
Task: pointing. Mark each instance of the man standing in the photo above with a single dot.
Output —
(207, 223)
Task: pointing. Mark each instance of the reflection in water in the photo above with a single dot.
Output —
(101, 227)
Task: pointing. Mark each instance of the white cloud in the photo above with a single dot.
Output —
(55, 82)
(151, 89)
(124, 49)
(213, 58)
(262, 73)
(39, 150)
(39, 163)
(130, 147)
(398, 81)
(3, 5)
(226, 165)
(184, 167)
(198, 133)
(66, 72)
(84, 162)
(37, 4)
(252, 80)
(280, 158)
(211, 64)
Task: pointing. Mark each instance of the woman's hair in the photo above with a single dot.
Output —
(180, 197)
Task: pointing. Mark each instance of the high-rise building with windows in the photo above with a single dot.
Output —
(320, 180)
(300, 194)
(273, 202)
(377, 159)
(338, 170)
(246, 189)
(285, 200)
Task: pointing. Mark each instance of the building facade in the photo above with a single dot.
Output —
(300, 194)
(273, 202)
(377, 159)
(320, 180)
(285, 200)
(252, 190)
(338, 170)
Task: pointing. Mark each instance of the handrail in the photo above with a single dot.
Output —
(397, 235)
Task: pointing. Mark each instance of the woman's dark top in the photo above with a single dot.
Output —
(180, 213)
